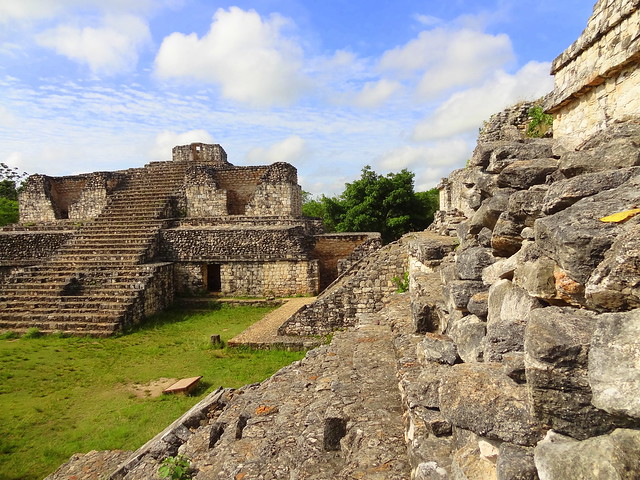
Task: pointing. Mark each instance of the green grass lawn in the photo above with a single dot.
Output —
(59, 396)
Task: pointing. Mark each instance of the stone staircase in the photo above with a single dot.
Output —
(93, 284)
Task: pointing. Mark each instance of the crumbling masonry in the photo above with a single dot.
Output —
(98, 252)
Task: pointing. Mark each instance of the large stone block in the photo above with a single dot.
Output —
(576, 238)
(471, 262)
(556, 357)
(614, 363)
(614, 456)
(480, 398)
(615, 283)
(459, 292)
(468, 334)
(564, 193)
(523, 174)
(509, 306)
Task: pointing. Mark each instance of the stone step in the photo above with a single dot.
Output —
(91, 329)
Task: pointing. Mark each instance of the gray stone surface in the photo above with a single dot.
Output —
(468, 334)
(615, 283)
(437, 348)
(480, 398)
(471, 262)
(614, 360)
(507, 239)
(509, 306)
(524, 173)
(516, 463)
(608, 457)
(459, 292)
(576, 238)
(556, 357)
(425, 301)
(479, 305)
(564, 193)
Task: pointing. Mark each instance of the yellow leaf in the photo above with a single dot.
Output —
(621, 216)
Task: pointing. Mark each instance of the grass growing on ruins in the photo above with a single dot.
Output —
(59, 396)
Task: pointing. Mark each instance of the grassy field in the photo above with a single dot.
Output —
(59, 396)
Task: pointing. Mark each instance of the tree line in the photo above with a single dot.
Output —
(376, 203)
(10, 178)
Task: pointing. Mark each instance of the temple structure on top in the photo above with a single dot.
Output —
(94, 253)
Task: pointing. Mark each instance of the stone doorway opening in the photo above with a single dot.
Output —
(214, 281)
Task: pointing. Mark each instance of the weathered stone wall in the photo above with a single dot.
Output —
(78, 197)
(259, 279)
(278, 193)
(232, 243)
(202, 195)
(360, 290)
(311, 226)
(202, 153)
(240, 183)
(29, 248)
(332, 248)
(156, 293)
(596, 78)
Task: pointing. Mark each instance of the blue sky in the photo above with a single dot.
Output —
(329, 86)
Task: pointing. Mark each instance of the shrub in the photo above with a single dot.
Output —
(175, 468)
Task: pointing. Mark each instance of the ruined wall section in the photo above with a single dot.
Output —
(201, 154)
(29, 248)
(77, 197)
(240, 183)
(203, 197)
(336, 252)
(359, 291)
(218, 244)
(278, 193)
(597, 78)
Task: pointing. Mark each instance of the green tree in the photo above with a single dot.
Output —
(9, 179)
(377, 203)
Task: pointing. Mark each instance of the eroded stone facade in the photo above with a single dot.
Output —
(597, 78)
(193, 225)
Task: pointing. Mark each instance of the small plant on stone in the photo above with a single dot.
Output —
(401, 283)
(175, 468)
(539, 123)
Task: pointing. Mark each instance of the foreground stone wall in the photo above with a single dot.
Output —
(593, 88)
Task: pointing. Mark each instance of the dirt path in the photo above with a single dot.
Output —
(264, 333)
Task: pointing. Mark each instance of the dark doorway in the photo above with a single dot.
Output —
(214, 283)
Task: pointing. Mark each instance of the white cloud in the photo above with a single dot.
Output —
(446, 58)
(427, 20)
(291, 150)
(375, 94)
(109, 49)
(27, 10)
(165, 141)
(447, 153)
(246, 55)
(466, 110)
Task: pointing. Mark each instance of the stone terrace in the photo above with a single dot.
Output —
(97, 281)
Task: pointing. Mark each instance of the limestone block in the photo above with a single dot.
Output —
(468, 334)
(515, 462)
(522, 174)
(535, 275)
(576, 238)
(556, 357)
(503, 268)
(437, 348)
(509, 306)
(528, 204)
(506, 239)
(564, 193)
(502, 154)
(513, 366)
(615, 283)
(480, 398)
(614, 358)
(479, 305)
(458, 292)
(471, 262)
(425, 292)
(615, 456)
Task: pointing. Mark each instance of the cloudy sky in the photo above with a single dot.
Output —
(327, 85)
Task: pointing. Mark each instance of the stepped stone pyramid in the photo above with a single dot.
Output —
(96, 253)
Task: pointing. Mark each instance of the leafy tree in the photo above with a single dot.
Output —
(377, 203)
(9, 178)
